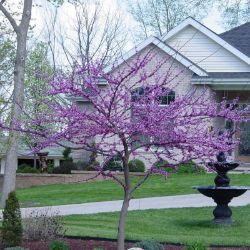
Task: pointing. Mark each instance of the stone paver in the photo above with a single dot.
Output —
(179, 201)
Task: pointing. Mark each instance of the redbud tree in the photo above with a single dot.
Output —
(136, 111)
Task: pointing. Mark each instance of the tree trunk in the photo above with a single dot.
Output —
(18, 96)
(122, 222)
(127, 193)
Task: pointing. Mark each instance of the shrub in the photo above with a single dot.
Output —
(98, 248)
(66, 153)
(149, 245)
(43, 226)
(24, 168)
(186, 168)
(82, 165)
(60, 170)
(67, 165)
(87, 166)
(190, 168)
(164, 164)
(113, 164)
(93, 165)
(64, 168)
(136, 165)
(197, 246)
(12, 224)
(93, 156)
(50, 167)
(58, 245)
(23, 165)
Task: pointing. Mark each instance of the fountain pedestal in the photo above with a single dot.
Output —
(222, 196)
(222, 193)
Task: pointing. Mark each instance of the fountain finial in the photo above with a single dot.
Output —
(221, 157)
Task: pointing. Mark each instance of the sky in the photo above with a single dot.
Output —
(212, 21)
(67, 12)
(66, 19)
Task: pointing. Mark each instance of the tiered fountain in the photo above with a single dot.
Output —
(222, 193)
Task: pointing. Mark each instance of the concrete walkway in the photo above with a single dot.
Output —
(179, 201)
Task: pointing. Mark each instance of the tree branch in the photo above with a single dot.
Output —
(9, 17)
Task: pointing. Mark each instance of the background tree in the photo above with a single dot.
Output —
(7, 59)
(235, 12)
(126, 112)
(20, 28)
(93, 31)
(100, 34)
(156, 17)
(37, 74)
(21, 31)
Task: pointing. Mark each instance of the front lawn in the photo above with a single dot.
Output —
(60, 194)
(184, 225)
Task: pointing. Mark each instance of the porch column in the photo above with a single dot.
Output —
(2, 165)
(56, 162)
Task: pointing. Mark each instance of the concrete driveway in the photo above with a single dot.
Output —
(179, 201)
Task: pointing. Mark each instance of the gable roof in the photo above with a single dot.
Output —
(212, 35)
(239, 37)
(166, 48)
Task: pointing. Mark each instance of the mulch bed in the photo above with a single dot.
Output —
(90, 244)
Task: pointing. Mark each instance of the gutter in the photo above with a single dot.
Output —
(221, 81)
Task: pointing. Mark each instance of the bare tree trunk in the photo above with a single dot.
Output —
(122, 222)
(18, 96)
(127, 193)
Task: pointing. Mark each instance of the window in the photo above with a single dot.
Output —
(139, 139)
(138, 93)
(229, 125)
(165, 98)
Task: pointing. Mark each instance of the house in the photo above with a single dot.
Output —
(26, 156)
(219, 61)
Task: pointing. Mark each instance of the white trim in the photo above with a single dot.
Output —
(228, 87)
(224, 84)
(214, 80)
(209, 33)
(166, 48)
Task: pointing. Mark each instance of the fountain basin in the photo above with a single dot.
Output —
(222, 192)
(223, 166)
(222, 197)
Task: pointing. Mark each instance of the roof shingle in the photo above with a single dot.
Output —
(239, 37)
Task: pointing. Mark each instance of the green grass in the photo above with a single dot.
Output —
(185, 225)
(60, 194)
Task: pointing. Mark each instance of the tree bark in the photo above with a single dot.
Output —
(122, 222)
(18, 96)
(127, 193)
